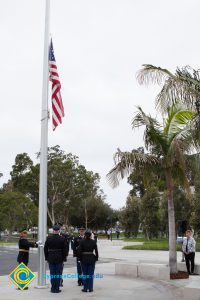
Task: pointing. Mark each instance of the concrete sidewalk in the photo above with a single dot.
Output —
(112, 286)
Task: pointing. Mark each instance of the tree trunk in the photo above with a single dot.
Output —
(86, 216)
(49, 214)
(171, 222)
(52, 212)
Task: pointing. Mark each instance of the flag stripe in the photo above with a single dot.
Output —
(57, 105)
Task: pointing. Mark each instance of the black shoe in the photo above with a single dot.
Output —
(80, 284)
(26, 288)
(84, 290)
(90, 291)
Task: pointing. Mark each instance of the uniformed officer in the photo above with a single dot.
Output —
(64, 234)
(24, 245)
(76, 244)
(55, 253)
(88, 259)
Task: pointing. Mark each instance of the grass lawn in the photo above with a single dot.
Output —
(2, 244)
(156, 244)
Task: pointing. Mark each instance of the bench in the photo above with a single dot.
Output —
(143, 270)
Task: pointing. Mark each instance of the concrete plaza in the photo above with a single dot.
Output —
(112, 286)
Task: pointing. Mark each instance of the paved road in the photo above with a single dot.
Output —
(8, 260)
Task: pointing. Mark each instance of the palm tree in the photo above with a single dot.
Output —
(183, 85)
(167, 145)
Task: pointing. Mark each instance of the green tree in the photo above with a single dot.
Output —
(16, 211)
(195, 220)
(24, 177)
(71, 188)
(130, 215)
(167, 145)
(149, 215)
(182, 208)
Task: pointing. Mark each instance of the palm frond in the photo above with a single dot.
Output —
(152, 74)
(126, 162)
(142, 119)
(180, 143)
(184, 85)
(153, 134)
(178, 119)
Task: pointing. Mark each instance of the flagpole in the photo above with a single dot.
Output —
(42, 228)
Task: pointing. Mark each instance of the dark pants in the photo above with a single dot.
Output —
(23, 257)
(189, 259)
(88, 273)
(61, 280)
(56, 273)
(79, 271)
(24, 262)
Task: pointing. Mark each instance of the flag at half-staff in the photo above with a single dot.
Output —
(57, 105)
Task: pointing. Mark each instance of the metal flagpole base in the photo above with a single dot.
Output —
(41, 286)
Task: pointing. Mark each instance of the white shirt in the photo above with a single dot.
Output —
(189, 243)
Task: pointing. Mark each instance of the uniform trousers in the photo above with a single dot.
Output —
(88, 275)
(79, 271)
(56, 274)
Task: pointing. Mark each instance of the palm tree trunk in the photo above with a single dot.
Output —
(171, 221)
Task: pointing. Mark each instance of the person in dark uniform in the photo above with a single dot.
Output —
(55, 253)
(66, 238)
(76, 243)
(88, 259)
(24, 245)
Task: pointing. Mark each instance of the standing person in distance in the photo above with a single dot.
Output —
(76, 243)
(108, 233)
(95, 236)
(87, 257)
(117, 233)
(55, 253)
(188, 248)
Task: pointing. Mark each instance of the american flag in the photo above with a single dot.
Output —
(57, 105)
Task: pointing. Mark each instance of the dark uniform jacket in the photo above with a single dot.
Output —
(76, 243)
(55, 249)
(24, 246)
(67, 239)
(85, 251)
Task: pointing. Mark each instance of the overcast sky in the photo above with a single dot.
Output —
(99, 46)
